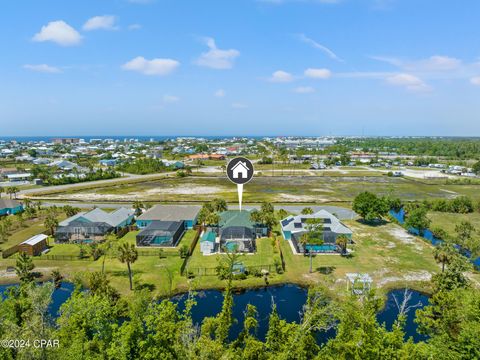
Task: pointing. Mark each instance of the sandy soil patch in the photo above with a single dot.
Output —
(185, 190)
(303, 198)
(409, 276)
(403, 236)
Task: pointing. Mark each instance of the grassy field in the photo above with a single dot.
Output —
(278, 189)
(448, 221)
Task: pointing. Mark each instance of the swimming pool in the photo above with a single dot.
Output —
(324, 248)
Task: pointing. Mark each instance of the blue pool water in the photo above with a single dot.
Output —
(324, 248)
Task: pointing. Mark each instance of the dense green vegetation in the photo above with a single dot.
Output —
(101, 324)
(143, 166)
(454, 148)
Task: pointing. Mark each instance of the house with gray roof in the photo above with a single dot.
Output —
(293, 227)
(93, 225)
(10, 206)
(161, 234)
(186, 213)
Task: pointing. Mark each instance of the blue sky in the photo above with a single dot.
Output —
(240, 67)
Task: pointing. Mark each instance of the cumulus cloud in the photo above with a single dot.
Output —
(304, 90)
(280, 76)
(216, 58)
(44, 68)
(318, 73)
(408, 81)
(104, 22)
(475, 80)
(58, 32)
(160, 67)
(220, 93)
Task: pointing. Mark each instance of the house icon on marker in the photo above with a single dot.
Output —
(240, 170)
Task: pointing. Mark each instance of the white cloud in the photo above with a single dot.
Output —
(316, 45)
(134, 27)
(280, 76)
(318, 73)
(475, 80)
(58, 32)
(237, 105)
(434, 63)
(216, 58)
(44, 68)
(156, 66)
(304, 90)
(408, 81)
(104, 22)
(220, 93)
(170, 99)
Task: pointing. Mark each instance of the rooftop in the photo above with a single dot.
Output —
(35, 239)
(235, 218)
(97, 215)
(171, 212)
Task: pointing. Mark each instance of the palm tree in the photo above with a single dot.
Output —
(1, 191)
(305, 240)
(219, 205)
(282, 214)
(138, 205)
(24, 267)
(342, 241)
(444, 253)
(51, 223)
(212, 219)
(307, 211)
(313, 236)
(128, 254)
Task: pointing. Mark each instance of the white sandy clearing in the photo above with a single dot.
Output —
(186, 190)
(302, 198)
(422, 275)
(403, 236)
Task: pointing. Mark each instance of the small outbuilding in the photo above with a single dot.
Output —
(34, 246)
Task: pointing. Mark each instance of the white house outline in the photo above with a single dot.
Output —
(240, 168)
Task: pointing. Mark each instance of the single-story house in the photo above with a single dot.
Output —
(18, 177)
(161, 233)
(10, 206)
(108, 162)
(238, 232)
(34, 246)
(293, 227)
(93, 225)
(186, 213)
(207, 242)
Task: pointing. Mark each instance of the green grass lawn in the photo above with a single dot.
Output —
(448, 221)
(186, 239)
(64, 249)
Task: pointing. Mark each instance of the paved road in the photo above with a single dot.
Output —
(127, 177)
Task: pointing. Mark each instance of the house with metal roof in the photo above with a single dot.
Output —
(293, 227)
(161, 233)
(10, 206)
(186, 213)
(93, 225)
(207, 242)
(238, 232)
(34, 246)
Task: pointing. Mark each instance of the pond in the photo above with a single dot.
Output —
(59, 296)
(288, 298)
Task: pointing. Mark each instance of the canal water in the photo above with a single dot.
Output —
(426, 233)
(288, 298)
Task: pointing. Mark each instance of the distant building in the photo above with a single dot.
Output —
(108, 162)
(186, 213)
(34, 246)
(63, 141)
